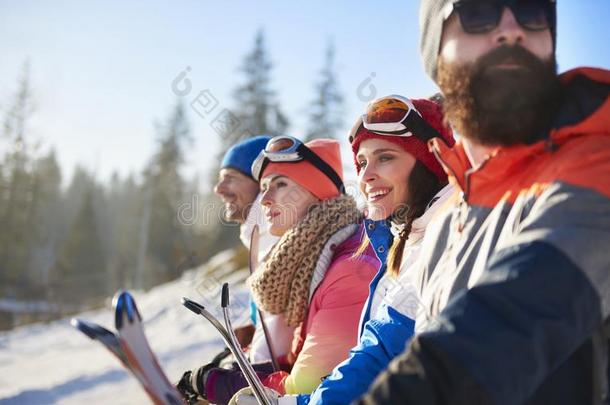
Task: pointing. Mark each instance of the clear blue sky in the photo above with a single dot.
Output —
(102, 71)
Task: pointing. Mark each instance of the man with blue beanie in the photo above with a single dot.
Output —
(239, 191)
(235, 186)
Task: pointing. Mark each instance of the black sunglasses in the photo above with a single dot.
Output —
(480, 16)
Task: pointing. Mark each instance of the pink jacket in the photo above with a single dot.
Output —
(338, 292)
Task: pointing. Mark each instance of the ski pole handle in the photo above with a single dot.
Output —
(255, 383)
(251, 377)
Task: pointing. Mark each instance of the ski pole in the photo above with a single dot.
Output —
(252, 379)
(253, 259)
(247, 369)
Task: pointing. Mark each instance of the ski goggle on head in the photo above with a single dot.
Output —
(482, 16)
(286, 149)
(394, 116)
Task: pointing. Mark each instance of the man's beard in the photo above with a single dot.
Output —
(499, 106)
(235, 213)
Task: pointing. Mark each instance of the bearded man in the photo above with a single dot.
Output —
(515, 278)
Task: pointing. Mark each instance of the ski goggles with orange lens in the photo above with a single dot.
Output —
(286, 149)
(394, 116)
(482, 16)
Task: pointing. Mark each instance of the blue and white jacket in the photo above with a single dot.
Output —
(387, 321)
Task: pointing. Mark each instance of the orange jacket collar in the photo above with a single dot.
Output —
(506, 160)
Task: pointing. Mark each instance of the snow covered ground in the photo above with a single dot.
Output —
(55, 364)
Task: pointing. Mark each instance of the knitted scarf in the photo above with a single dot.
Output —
(281, 284)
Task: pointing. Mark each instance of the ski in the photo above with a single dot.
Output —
(104, 336)
(111, 341)
(131, 347)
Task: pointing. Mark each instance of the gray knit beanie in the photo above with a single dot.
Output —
(431, 20)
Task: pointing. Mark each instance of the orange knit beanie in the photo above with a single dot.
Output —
(309, 176)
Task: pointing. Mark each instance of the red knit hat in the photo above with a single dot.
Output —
(309, 176)
(432, 113)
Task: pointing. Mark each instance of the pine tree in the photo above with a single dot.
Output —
(16, 191)
(326, 110)
(256, 105)
(122, 217)
(45, 217)
(80, 270)
(258, 112)
(163, 242)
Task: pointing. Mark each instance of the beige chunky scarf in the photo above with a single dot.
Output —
(281, 285)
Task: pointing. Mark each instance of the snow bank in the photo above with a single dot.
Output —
(55, 364)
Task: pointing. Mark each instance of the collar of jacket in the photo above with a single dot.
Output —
(256, 217)
(583, 111)
(378, 233)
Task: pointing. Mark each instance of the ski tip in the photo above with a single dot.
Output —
(192, 305)
(125, 307)
(82, 326)
(224, 302)
(92, 330)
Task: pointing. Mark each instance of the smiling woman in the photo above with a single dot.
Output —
(404, 186)
(396, 172)
(384, 169)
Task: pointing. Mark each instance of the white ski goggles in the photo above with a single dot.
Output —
(394, 115)
(286, 149)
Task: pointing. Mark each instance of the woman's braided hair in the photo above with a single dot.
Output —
(422, 186)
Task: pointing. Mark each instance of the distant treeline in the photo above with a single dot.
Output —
(65, 248)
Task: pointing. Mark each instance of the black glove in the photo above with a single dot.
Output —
(192, 382)
(185, 387)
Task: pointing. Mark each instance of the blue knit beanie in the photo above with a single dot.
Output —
(241, 156)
